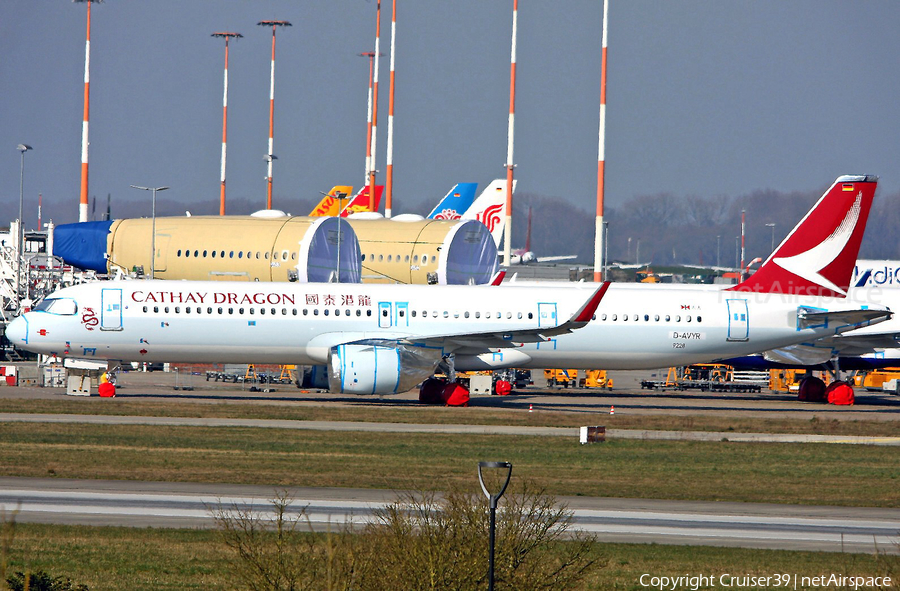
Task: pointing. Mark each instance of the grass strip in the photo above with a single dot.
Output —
(725, 471)
(818, 424)
(155, 559)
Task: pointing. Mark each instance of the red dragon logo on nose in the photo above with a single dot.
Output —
(89, 318)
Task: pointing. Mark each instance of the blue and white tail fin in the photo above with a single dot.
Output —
(455, 203)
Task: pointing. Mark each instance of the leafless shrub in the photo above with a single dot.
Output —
(280, 551)
(422, 541)
(429, 542)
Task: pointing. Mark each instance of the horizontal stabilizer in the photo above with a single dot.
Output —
(806, 319)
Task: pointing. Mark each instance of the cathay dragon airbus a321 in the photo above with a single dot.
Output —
(386, 338)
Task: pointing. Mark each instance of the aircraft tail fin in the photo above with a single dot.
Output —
(490, 208)
(454, 203)
(818, 255)
(360, 201)
(332, 202)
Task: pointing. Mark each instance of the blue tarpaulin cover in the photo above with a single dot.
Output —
(82, 245)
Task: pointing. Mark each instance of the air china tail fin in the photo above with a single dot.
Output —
(360, 201)
(454, 203)
(818, 256)
(333, 201)
(490, 208)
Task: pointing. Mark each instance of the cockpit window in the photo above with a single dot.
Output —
(61, 306)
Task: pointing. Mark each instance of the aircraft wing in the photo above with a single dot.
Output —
(561, 257)
(494, 339)
(823, 350)
(801, 355)
(850, 343)
(465, 339)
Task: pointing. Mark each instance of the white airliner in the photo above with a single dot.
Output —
(386, 338)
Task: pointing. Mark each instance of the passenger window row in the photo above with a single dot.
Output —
(645, 318)
(396, 258)
(231, 310)
(188, 253)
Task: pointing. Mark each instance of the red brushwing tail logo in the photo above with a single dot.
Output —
(809, 264)
(490, 217)
(818, 256)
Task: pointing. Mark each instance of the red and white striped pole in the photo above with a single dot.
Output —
(601, 155)
(374, 108)
(270, 155)
(389, 178)
(507, 252)
(83, 203)
(227, 36)
(371, 56)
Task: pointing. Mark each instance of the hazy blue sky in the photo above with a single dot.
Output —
(704, 97)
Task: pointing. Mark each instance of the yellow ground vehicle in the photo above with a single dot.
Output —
(874, 380)
(561, 377)
(595, 378)
(590, 378)
(646, 275)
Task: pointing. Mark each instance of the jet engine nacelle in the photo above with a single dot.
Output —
(379, 369)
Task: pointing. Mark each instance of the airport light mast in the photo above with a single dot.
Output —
(270, 155)
(507, 252)
(371, 56)
(389, 178)
(83, 203)
(20, 239)
(371, 176)
(227, 36)
(743, 236)
(601, 156)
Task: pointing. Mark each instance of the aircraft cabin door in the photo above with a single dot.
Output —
(385, 315)
(738, 320)
(110, 309)
(546, 315)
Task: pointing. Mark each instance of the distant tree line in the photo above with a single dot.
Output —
(664, 229)
(661, 229)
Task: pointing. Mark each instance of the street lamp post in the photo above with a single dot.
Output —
(772, 225)
(153, 226)
(493, 498)
(20, 242)
(718, 244)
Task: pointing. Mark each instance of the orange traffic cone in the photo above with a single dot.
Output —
(612, 410)
(530, 408)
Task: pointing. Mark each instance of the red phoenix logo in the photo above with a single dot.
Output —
(490, 217)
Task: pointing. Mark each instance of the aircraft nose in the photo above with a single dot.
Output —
(16, 331)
